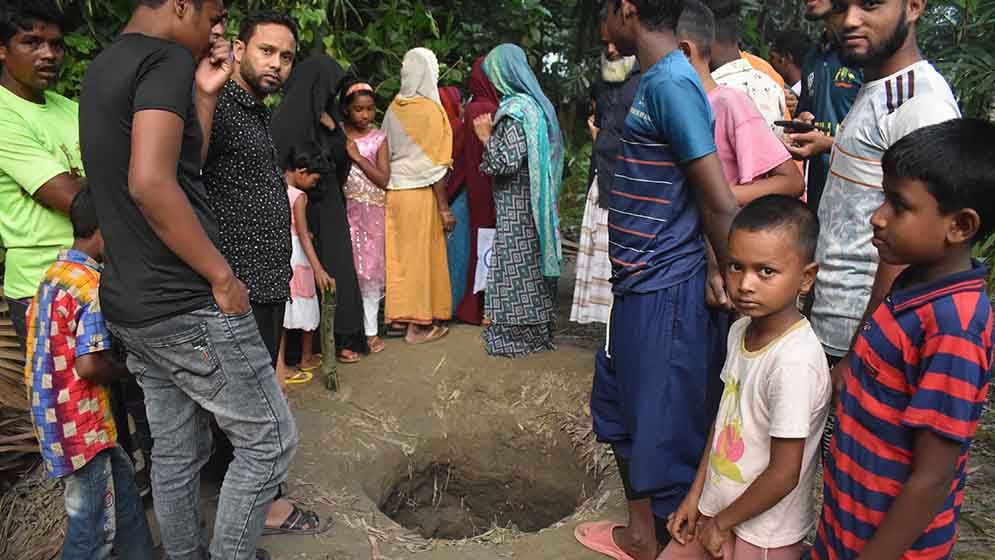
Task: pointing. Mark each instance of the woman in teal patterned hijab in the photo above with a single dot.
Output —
(523, 100)
(523, 153)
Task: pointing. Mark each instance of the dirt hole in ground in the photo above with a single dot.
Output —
(517, 484)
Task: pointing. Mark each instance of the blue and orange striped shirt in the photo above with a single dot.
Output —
(922, 362)
(654, 229)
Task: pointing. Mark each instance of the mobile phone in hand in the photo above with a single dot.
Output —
(795, 126)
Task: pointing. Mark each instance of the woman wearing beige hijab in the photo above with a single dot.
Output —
(418, 292)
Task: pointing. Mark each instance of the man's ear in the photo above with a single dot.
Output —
(687, 47)
(964, 226)
(238, 49)
(914, 10)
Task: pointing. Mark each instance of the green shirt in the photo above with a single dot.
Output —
(39, 142)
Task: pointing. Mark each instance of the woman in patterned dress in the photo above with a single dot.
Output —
(523, 152)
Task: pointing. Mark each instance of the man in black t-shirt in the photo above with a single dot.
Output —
(166, 291)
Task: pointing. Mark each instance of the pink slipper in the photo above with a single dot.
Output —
(597, 536)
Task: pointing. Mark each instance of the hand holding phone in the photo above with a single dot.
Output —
(795, 126)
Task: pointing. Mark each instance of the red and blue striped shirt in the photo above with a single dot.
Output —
(922, 362)
(653, 224)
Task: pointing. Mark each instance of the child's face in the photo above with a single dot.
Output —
(305, 180)
(361, 111)
(909, 227)
(766, 271)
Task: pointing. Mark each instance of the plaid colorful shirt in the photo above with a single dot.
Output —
(72, 416)
(922, 362)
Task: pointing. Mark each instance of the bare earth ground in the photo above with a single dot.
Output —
(472, 439)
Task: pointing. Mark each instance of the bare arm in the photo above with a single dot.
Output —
(321, 276)
(205, 105)
(715, 201)
(58, 192)
(777, 481)
(156, 137)
(100, 368)
(934, 467)
(378, 173)
(784, 179)
(212, 74)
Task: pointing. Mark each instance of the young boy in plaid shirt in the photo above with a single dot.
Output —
(70, 360)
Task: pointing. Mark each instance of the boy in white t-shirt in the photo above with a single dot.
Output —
(752, 498)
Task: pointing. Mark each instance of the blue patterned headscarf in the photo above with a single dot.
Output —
(523, 100)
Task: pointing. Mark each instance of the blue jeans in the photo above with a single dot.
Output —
(201, 364)
(105, 511)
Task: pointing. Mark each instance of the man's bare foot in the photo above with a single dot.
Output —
(639, 546)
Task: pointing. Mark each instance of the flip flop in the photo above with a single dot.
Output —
(379, 347)
(437, 333)
(296, 524)
(597, 536)
(343, 360)
(311, 368)
(302, 376)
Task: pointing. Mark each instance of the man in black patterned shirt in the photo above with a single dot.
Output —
(247, 192)
(245, 186)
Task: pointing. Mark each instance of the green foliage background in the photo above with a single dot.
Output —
(560, 36)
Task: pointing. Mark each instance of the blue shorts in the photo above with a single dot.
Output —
(656, 390)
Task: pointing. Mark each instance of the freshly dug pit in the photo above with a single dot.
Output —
(531, 485)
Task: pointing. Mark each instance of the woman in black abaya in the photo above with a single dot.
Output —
(309, 115)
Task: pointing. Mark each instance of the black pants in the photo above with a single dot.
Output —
(18, 316)
(269, 318)
(659, 523)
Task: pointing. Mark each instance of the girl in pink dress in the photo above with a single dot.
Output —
(365, 192)
(302, 312)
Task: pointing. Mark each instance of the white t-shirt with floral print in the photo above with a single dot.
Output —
(783, 391)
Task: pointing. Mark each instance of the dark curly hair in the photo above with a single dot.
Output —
(21, 15)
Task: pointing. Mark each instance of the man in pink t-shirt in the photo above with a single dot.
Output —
(754, 160)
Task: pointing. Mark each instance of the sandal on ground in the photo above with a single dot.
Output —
(598, 536)
(436, 333)
(377, 346)
(300, 522)
(302, 376)
(350, 358)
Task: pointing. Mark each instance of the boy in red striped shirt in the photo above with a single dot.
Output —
(920, 367)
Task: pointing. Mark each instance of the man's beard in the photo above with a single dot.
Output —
(615, 71)
(255, 81)
(879, 53)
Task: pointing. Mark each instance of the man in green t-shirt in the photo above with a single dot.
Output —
(40, 167)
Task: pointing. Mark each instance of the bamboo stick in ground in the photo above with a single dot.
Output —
(329, 368)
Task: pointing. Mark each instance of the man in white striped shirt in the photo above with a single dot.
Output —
(902, 92)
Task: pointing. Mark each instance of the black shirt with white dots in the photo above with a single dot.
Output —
(247, 192)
